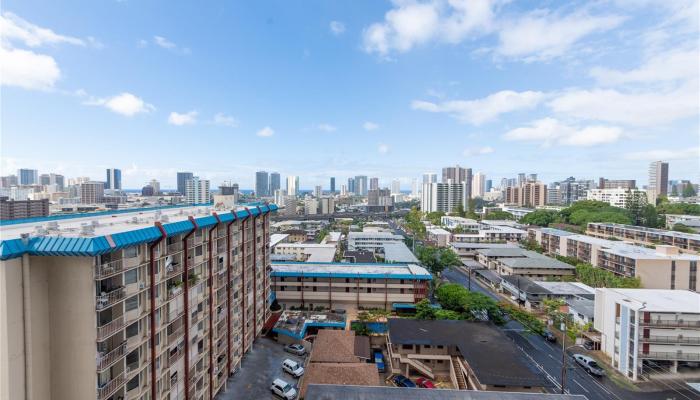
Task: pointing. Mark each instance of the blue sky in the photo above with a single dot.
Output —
(322, 88)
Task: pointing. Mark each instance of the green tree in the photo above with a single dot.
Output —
(597, 277)
(532, 245)
(499, 215)
(539, 218)
(682, 228)
(635, 204)
(414, 223)
(425, 310)
(459, 211)
(678, 208)
(689, 190)
(434, 217)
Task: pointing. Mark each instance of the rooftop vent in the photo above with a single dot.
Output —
(52, 225)
(165, 218)
(87, 230)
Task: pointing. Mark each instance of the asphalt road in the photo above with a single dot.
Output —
(547, 357)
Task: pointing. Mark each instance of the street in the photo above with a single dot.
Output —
(547, 357)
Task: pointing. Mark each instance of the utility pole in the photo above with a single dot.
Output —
(563, 357)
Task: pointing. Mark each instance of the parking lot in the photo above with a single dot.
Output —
(260, 367)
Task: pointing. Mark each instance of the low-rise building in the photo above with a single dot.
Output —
(468, 251)
(660, 268)
(648, 331)
(691, 221)
(472, 355)
(439, 236)
(516, 261)
(617, 197)
(295, 235)
(343, 284)
(305, 252)
(688, 242)
(372, 241)
(451, 222)
(491, 234)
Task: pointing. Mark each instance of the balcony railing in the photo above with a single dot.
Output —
(173, 336)
(108, 359)
(108, 389)
(174, 247)
(105, 331)
(107, 299)
(108, 268)
(173, 357)
(671, 339)
(670, 356)
(671, 323)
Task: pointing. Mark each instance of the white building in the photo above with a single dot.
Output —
(292, 185)
(648, 331)
(396, 186)
(478, 185)
(156, 186)
(290, 205)
(327, 205)
(310, 206)
(439, 236)
(304, 252)
(372, 241)
(615, 197)
(197, 191)
(444, 197)
(451, 222)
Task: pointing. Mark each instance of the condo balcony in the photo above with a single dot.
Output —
(175, 335)
(677, 356)
(108, 268)
(106, 360)
(107, 299)
(108, 389)
(671, 339)
(107, 330)
(670, 323)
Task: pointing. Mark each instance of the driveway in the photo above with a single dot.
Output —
(259, 368)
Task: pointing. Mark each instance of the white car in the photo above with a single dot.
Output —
(293, 368)
(283, 389)
(589, 365)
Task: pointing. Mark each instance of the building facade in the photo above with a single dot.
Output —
(262, 184)
(91, 192)
(292, 186)
(616, 183)
(617, 197)
(445, 197)
(197, 191)
(687, 242)
(529, 194)
(28, 176)
(360, 185)
(152, 304)
(658, 179)
(274, 183)
(182, 178)
(114, 179)
(11, 209)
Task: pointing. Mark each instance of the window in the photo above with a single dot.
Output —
(132, 303)
(132, 330)
(407, 346)
(131, 276)
(199, 250)
(132, 384)
(131, 252)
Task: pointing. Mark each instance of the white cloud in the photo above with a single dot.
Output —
(550, 131)
(643, 108)
(163, 42)
(383, 148)
(14, 28)
(225, 120)
(673, 65)
(337, 27)
(188, 118)
(478, 151)
(411, 23)
(691, 153)
(28, 70)
(265, 132)
(370, 126)
(483, 110)
(326, 128)
(542, 35)
(125, 104)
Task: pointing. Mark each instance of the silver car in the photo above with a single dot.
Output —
(295, 349)
(589, 365)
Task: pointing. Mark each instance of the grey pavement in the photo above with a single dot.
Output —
(259, 368)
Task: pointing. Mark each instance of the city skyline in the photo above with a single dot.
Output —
(595, 102)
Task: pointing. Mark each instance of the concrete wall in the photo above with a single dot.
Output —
(12, 384)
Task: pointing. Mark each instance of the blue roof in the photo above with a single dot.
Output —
(93, 246)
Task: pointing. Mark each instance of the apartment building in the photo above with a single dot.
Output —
(616, 183)
(663, 267)
(617, 197)
(91, 192)
(306, 252)
(197, 191)
(18, 209)
(647, 332)
(516, 261)
(373, 241)
(467, 224)
(691, 221)
(445, 197)
(529, 194)
(687, 242)
(491, 234)
(347, 285)
(144, 304)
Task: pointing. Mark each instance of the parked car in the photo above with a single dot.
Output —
(588, 345)
(402, 381)
(549, 336)
(283, 389)
(379, 360)
(589, 365)
(295, 349)
(425, 383)
(293, 368)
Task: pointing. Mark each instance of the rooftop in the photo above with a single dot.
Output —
(398, 252)
(583, 306)
(384, 235)
(535, 260)
(465, 245)
(660, 300)
(295, 323)
(510, 251)
(350, 270)
(485, 348)
(277, 238)
(693, 236)
(336, 391)
(568, 288)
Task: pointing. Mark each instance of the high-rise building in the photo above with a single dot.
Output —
(414, 186)
(616, 183)
(279, 196)
(20, 209)
(489, 185)
(532, 178)
(429, 177)
(332, 185)
(290, 205)
(44, 179)
(292, 186)
(568, 191)
(92, 192)
(327, 205)
(658, 179)
(51, 179)
(478, 185)
(379, 200)
(310, 206)
(351, 185)
(230, 189)
(444, 197)
(182, 178)
(262, 183)
(274, 183)
(456, 174)
(147, 190)
(156, 187)
(361, 185)
(530, 194)
(521, 179)
(317, 191)
(395, 186)
(374, 183)
(9, 181)
(166, 311)
(28, 176)
(197, 191)
(114, 179)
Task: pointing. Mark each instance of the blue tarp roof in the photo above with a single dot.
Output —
(93, 246)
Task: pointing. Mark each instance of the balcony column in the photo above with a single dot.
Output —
(255, 273)
(186, 281)
(152, 273)
(211, 305)
(674, 367)
(228, 293)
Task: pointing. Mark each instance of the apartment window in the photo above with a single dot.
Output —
(132, 330)
(693, 276)
(131, 252)
(132, 303)
(131, 276)
(673, 275)
(407, 346)
(132, 384)
(199, 250)
(198, 233)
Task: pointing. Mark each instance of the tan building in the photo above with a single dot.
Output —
(529, 194)
(144, 304)
(663, 267)
(471, 355)
(517, 261)
(345, 284)
(687, 242)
